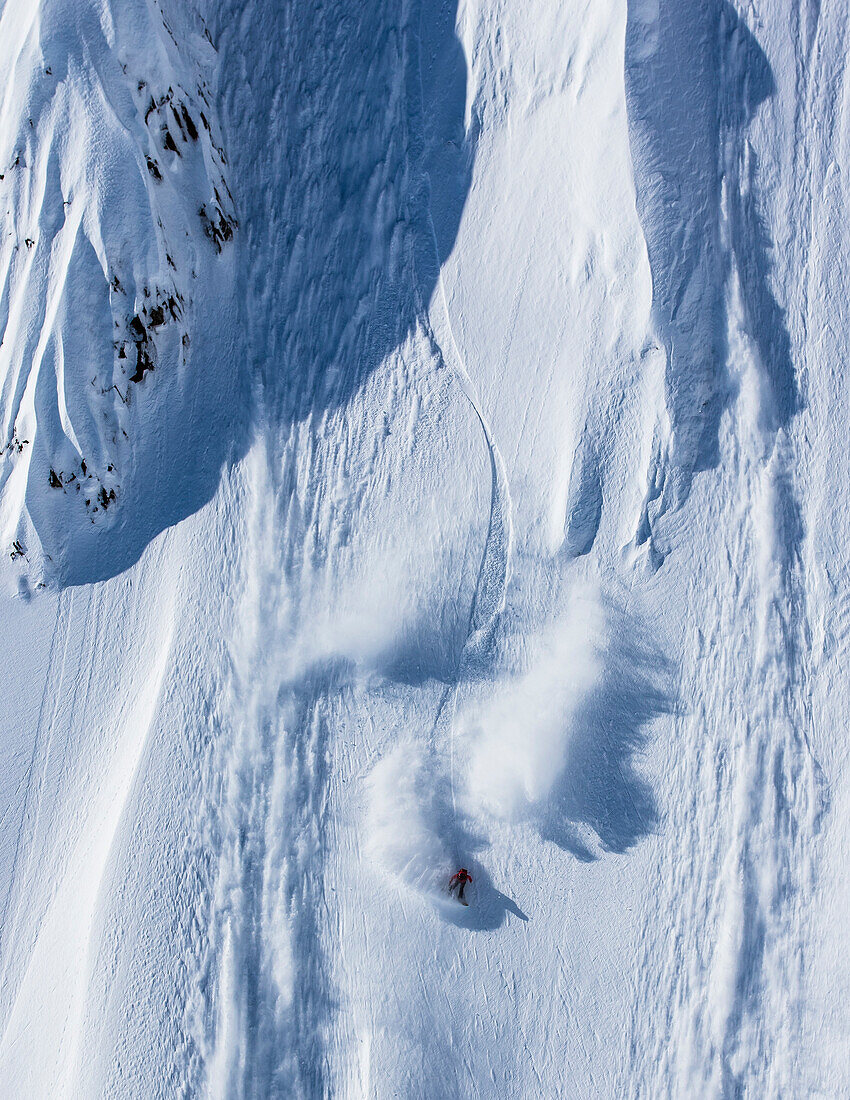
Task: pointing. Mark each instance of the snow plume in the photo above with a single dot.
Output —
(350, 629)
(350, 625)
(519, 738)
(404, 818)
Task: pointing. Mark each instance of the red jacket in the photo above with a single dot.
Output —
(460, 878)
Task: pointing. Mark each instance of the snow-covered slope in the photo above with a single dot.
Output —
(423, 447)
(118, 218)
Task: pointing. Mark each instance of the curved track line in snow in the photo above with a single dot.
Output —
(494, 568)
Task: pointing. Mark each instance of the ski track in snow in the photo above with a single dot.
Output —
(477, 500)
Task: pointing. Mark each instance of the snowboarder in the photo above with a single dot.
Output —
(458, 882)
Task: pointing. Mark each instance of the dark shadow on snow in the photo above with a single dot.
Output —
(350, 167)
(352, 153)
(448, 151)
(601, 786)
(430, 648)
(488, 907)
(748, 83)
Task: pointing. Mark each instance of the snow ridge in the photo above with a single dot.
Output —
(732, 396)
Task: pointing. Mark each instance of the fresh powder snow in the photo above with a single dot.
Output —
(424, 445)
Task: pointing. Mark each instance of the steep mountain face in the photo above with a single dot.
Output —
(119, 221)
(422, 447)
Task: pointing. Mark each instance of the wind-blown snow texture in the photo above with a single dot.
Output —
(424, 444)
